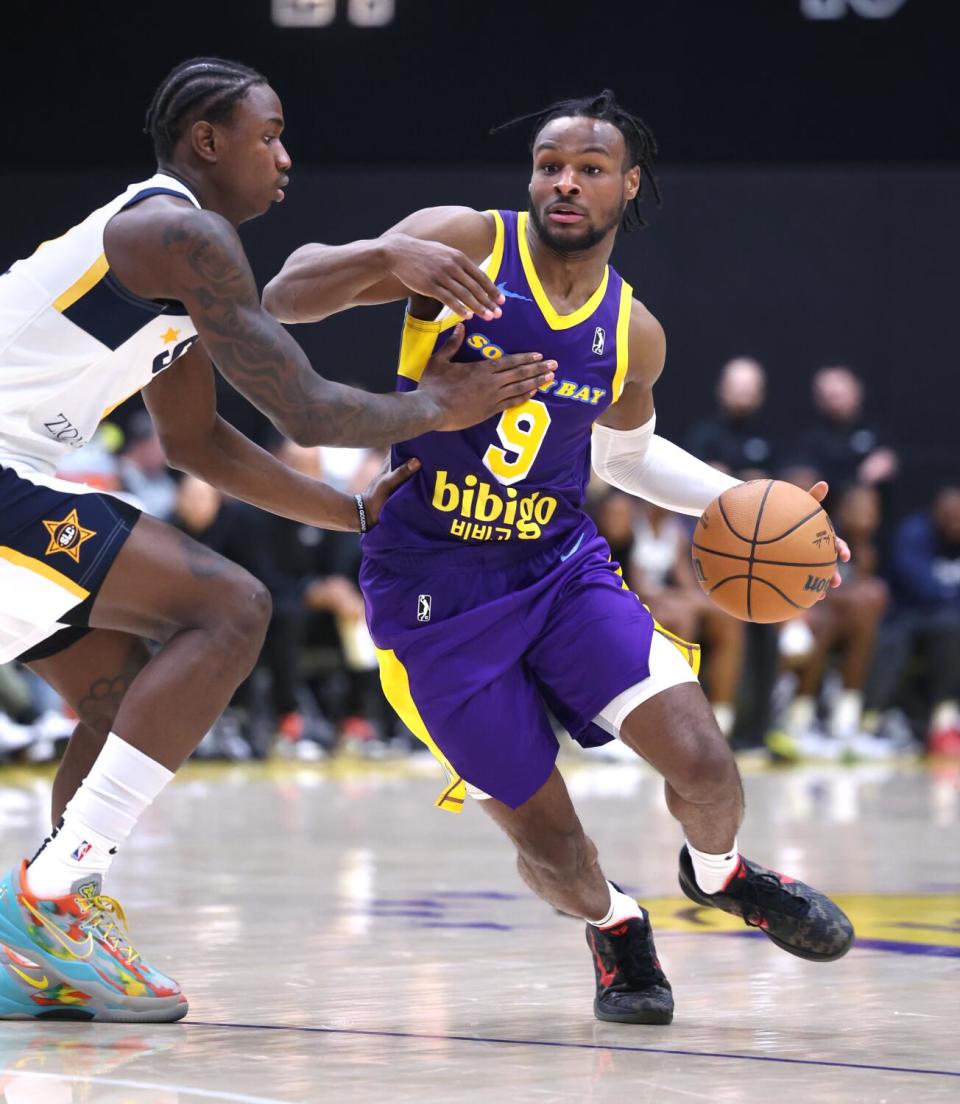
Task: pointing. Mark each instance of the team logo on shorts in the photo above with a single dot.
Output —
(67, 536)
(424, 603)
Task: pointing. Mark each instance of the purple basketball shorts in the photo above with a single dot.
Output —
(486, 650)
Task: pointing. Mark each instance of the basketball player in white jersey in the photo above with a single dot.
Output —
(141, 295)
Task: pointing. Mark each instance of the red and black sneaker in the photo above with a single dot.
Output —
(631, 986)
(796, 917)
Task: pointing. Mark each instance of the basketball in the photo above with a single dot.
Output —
(764, 551)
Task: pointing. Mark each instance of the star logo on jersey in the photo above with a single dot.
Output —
(67, 536)
(170, 336)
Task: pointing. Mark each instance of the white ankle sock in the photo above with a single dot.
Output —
(846, 713)
(714, 871)
(801, 713)
(121, 784)
(726, 715)
(622, 907)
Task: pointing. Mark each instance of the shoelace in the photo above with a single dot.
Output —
(107, 917)
(765, 892)
(635, 957)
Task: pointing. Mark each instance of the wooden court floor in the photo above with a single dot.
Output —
(341, 940)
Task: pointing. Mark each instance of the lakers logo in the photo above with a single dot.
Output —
(67, 536)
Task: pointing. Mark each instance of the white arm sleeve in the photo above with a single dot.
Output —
(651, 467)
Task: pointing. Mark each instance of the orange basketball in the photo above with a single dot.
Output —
(764, 551)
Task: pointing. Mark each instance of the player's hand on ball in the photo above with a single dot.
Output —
(470, 392)
(819, 491)
(443, 273)
(382, 486)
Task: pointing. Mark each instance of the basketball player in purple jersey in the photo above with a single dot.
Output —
(490, 595)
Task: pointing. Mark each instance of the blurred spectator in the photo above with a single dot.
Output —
(96, 463)
(926, 621)
(143, 468)
(735, 439)
(653, 546)
(844, 627)
(318, 607)
(843, 445)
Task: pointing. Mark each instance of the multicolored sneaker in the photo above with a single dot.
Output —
(796, 917)
(70, 958)
(631, 986)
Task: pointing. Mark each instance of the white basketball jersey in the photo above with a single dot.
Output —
(74, 342)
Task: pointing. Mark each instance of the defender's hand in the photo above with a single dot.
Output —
(468, 393)
(382, 486)
(445, 274)
(819, 491)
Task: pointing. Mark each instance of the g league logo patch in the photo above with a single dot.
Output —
(599, 340)
(424, 602)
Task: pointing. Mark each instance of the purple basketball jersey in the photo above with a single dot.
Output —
(500, 491)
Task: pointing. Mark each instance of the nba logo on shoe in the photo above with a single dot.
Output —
(599, 339)
(423, 607)
(81, 851)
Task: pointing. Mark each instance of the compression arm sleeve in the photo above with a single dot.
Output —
(651, 467)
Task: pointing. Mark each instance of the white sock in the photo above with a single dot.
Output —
(121, 784)
(714, 871)
(801, 714)
(846, 713)
(946, 714)
(726, 715)
(622, 907)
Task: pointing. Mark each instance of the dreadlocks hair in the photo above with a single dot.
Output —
(210, 85)
(638, 138)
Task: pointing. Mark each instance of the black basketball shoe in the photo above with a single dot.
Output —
(631, 987)
(793, 915)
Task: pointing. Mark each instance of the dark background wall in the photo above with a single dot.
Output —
(811, 169)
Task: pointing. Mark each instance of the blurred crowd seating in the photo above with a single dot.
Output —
(871, 673)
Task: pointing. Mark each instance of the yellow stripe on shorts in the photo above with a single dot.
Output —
(396, 686)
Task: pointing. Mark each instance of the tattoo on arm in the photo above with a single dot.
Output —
(262, 361)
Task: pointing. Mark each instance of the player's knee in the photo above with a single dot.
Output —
(705, 768)
(244, 618)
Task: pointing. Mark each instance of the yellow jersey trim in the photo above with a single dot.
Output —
(419, 337)
(554, 320)
(623, 340)
(396, 687)
(94, 274)
(38, 567)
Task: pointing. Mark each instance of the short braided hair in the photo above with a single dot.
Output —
(207, 85)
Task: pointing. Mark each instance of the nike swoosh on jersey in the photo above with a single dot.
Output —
(567, 555)
(79, 950)
(502, 288)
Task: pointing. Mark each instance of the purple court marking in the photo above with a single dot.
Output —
(894, 946)
(486, 925)
(415, 902)
(479, 895)
(573, 1046)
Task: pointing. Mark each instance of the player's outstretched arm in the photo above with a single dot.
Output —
(182, 403)
(626, 452)
(196, 257)
(432, 252)
(628, 455)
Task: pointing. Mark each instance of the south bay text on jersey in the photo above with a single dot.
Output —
(74, 342)
(518, 479)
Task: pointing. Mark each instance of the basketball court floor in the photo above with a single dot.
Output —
(341, 940)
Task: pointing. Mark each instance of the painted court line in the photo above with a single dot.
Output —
(154, 1086)
(576, 1046)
